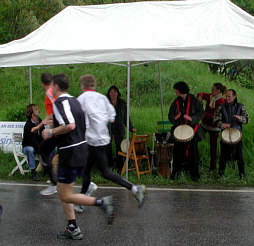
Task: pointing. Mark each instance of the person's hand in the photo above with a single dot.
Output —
(48, 122)
(187, 117)
(178, 116)
(225, 125)
(46, 134)
(134, 130)
(200, 98)
(237, 117)
(34, 129)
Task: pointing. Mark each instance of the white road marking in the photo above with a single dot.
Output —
(244, 190)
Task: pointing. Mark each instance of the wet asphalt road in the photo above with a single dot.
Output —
(168, 217)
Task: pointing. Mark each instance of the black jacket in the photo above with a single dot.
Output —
(117, 128)
(29, 138)
(196, 112)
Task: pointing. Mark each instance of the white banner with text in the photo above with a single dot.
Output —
(7, 128)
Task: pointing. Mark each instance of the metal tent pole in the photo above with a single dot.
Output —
(30, 84)
(128, 114)
(161, 97)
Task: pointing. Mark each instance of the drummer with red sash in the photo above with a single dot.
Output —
(186, 109)
(231, 115)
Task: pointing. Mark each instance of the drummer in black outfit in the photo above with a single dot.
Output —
(186, 109)
(231, 115)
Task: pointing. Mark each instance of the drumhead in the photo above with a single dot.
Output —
(183, 133)
(231, 135)
(124, 146)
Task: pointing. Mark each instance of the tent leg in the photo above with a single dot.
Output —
(30, 85)
(128, 114)
(161, 97)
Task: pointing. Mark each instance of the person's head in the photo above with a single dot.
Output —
(60, 84)
(231, 95)
(32, 110)
(218, 88)
(113, 93)
(46, 80)
(181, 88)
(87, 82)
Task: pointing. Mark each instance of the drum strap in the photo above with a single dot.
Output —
(187, 109)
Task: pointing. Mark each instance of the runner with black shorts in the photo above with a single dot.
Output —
(69, 131)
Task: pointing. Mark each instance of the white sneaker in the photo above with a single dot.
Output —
(50, 190)
(79, 208)
(92, 187)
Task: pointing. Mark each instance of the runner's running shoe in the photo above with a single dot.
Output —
(108, 209)
(70, 234)
(140, 195)
(50, 190)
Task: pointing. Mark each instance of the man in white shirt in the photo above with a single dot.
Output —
(98, 113)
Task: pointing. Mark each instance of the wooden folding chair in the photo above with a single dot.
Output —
(137, 152)
(19, 157)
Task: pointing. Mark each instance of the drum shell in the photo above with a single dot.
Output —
(164, 155)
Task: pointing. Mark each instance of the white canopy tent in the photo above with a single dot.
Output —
(137, 32)
(140, 31)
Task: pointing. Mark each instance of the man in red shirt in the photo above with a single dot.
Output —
(47, 147)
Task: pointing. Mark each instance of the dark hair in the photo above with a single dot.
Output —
(182, 87)
(219, 86)
(113, 87)
(233, 92)
(62, 81)
(29, 110)
(46, 78)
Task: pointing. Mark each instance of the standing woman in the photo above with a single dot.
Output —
(213, 101)
(117, 128)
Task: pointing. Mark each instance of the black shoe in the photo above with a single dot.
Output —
(69, 234)
(241, 176)
(108, 209)
(35, 177)
(195, 178)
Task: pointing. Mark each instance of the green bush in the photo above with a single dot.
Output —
(16, 114)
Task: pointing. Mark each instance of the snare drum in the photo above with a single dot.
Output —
(183, 133)
(231, 136)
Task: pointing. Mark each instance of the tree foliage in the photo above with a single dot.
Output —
(20, 17)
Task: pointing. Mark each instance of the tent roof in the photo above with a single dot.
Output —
(140, 31)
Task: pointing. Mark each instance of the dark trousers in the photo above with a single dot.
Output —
(213, 149)
(47, 151)
(231, 152)
(119, 159)
(190, 162)
(98, 156)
